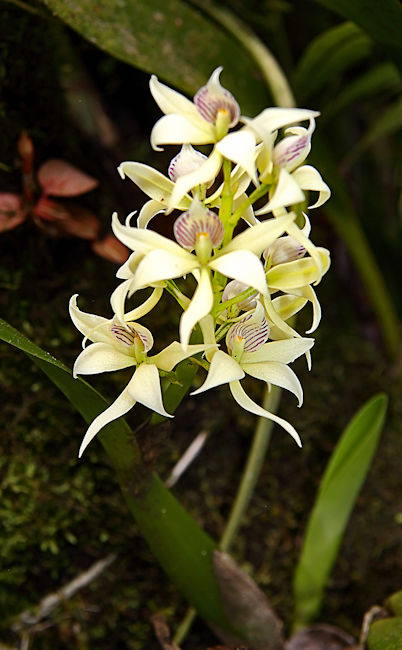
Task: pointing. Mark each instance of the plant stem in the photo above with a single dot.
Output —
(245, 491)
(272, 72)
(252, 469)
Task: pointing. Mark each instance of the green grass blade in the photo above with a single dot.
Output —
(341, 483)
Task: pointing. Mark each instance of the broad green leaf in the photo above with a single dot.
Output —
(168, 38)
(385, 634)
(382, 20)
(332, 52)
(341, 483)
(377, 80)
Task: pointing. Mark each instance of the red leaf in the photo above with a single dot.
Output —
(71, 219)
(111, 249)
(59, 178)
(12, 212)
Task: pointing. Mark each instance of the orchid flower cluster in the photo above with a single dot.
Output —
(248, 285)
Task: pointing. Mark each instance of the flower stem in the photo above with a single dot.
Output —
(252, 469)
(272, 72)
(245, 491)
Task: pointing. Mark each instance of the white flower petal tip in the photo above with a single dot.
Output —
(213, 97)
(120, 169)
(247, 403)
(195, 223)
(223, 369)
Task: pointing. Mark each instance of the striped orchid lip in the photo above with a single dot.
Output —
(128, 335)
(196, 222)
(188, 160)
(250, 333)
(284, 249)
(293, 149)
(212, 98)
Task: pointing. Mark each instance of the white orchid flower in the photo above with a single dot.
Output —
(250, 353)
(116, 346)
(204, 121)
(290, 179)
(202, 230)
(163, 190)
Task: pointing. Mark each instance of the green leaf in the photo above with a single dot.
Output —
(168, 38)
(381, 20)
(379, 79)
(183, 550)
(342, 481)
(394, 603)
(389, 122)
(385, 634)
(332, 52)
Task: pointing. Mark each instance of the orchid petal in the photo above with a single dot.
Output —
(120, 407)
(200, 305)
(223, 369)
(247, 403)
(241, 265)
(292, 150)
(272, 119)
(127, 270)
(287, 306)
(162, 265)
(144, 241)
(145, 388)
(207, 326)
(146, 306)
(91, 326)
(171, 101)
(297, 273)
(177, 129)
(205, 174)
(118, 298)
(148, 211)
(170, 356)
(151, 182)
(283, 351)
(277, 374)
(248, 214)
(319, 255)
(258, 237)
(240, 148)
(287, 192)
(101, 357)
(276, 320)
(308, 178)
(309, 294)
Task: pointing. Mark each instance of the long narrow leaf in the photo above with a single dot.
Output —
(183, 550)
(381, 20)
(342, 481)
(327, 56)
